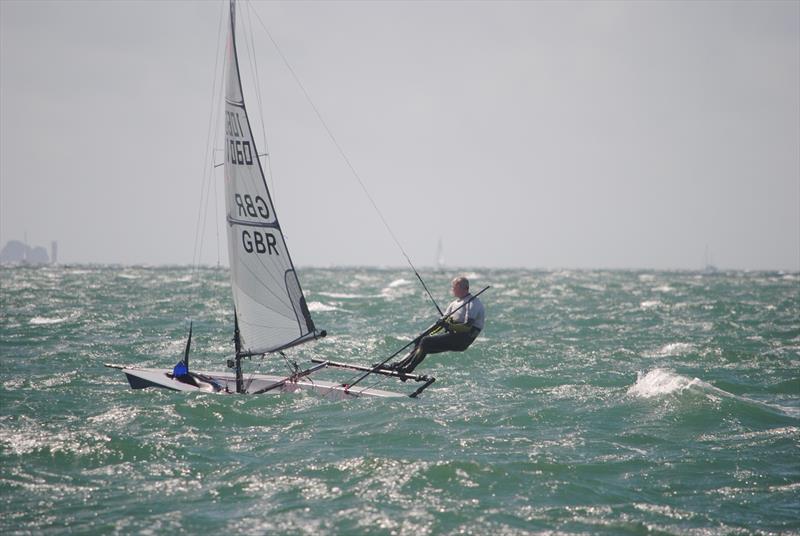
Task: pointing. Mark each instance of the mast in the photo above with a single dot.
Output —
(237, 344)
(237, 339)
(270, 308)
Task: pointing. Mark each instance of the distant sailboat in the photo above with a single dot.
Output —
(439, 256)
(709, 264)
(270, 310)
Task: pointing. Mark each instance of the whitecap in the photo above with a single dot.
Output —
(59, 379)
(116, 416)
(659, 382)
(343, 295)
(650, 304)
(791, 488)
(319, 307)
(396, 289)
(786, 410)
(13, 384)
(43, 320)
(673, 349)
(594, 287)
(78, 442)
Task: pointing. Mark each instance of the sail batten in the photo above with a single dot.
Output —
(269, 303)
(251, 223)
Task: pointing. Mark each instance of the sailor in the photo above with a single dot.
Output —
(460, 329)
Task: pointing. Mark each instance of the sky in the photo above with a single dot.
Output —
(583, 135)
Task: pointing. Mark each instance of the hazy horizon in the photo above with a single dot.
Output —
(542, 135)
(447, 271)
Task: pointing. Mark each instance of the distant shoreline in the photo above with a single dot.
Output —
(428, 269)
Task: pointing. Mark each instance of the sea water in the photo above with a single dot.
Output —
(594, 402)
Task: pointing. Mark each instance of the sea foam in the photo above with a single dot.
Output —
(660, 382)
(673, 349)
(43, 321)
(319, 307)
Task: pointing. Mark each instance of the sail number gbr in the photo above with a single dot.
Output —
(239, 151)
(253, 240)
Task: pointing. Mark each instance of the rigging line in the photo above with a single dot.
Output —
(346, 159)
(211, 182)
(254, 64)
(256, 180)
(205, 217)
(292, 365)
(212, 171)
(249, 49)
(206, 174)
(250, 381)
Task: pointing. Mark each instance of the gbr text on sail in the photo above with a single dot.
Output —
(247, 205)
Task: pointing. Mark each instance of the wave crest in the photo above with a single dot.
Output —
(660, 382)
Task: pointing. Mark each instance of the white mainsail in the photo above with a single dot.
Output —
(271, 310)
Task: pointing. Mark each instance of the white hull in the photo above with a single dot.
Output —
(224, 383)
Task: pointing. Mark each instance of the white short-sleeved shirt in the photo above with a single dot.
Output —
(472, 313)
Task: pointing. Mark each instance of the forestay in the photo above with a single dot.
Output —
(271, 310)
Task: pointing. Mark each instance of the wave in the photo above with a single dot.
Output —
(650, 304)
(661, 382)
(343, 295)
(319, 307)
(396, 289)
(672, 349)
(43, 320)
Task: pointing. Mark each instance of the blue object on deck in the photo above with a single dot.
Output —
(180, 370)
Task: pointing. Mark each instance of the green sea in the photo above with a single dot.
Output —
(594, 402)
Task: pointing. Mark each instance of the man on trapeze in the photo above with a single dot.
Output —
(460, 329)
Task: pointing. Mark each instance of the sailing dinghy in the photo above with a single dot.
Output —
(270, 311)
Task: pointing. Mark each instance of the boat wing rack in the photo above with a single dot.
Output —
(428, 380)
